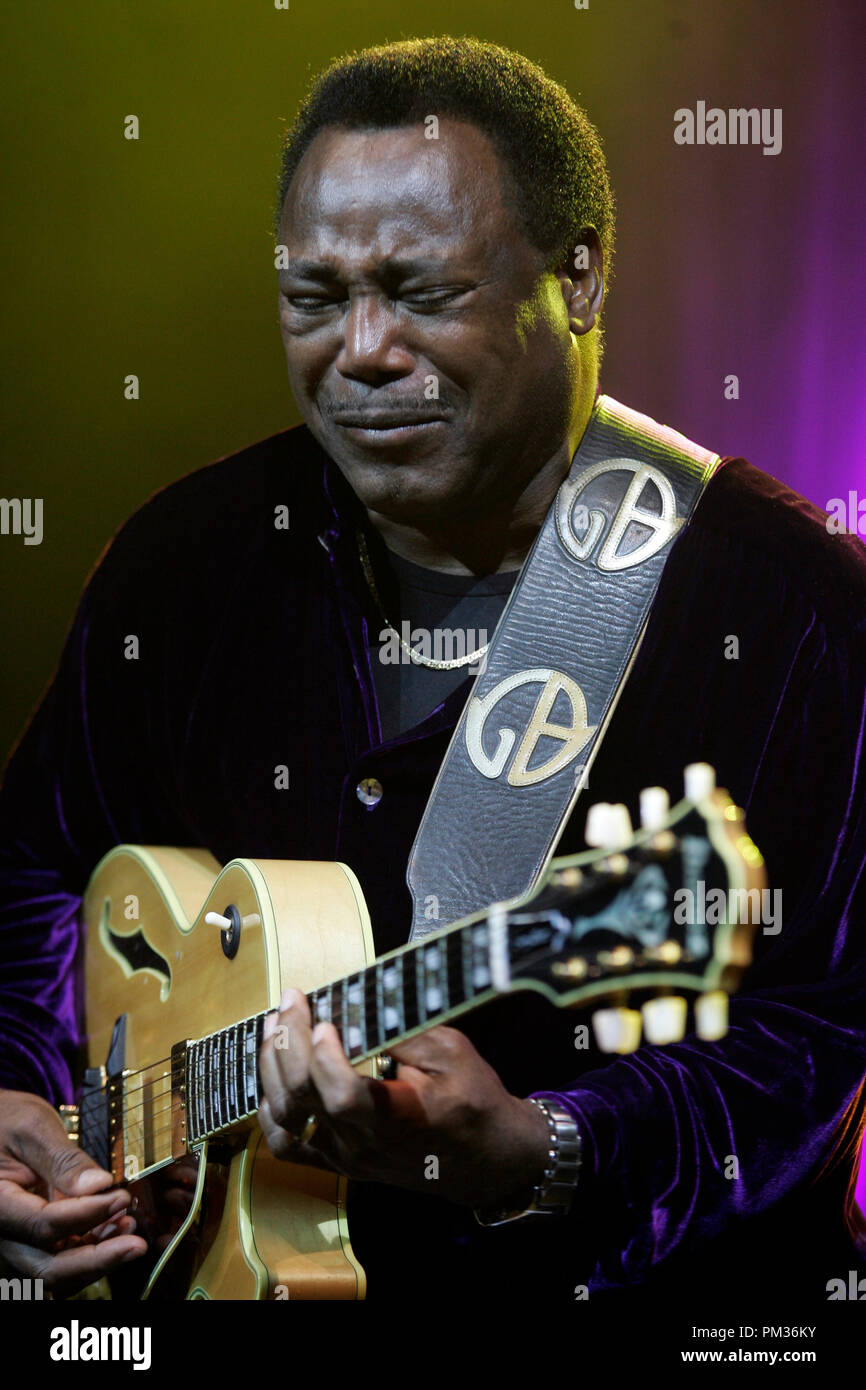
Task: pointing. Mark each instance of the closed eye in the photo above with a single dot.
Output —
(310, 303)
(431, 298)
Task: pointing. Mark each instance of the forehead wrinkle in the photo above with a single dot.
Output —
(354, 192)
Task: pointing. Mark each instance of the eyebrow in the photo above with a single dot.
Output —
(324, 271)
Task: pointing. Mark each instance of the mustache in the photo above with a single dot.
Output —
(407, 408)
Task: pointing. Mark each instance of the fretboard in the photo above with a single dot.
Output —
(417, 987)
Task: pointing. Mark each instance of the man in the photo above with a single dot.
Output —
(447, 228)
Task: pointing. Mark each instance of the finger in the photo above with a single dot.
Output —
(286, 1146)
(121, 1226)
(284, 1063)
(33, 1221)
(344, 1094)
(440, 1049)
(73, 1269)
(43, 1145)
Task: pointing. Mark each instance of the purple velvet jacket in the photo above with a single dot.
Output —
(252, 653)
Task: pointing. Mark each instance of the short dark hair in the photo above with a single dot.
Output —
(550, 147)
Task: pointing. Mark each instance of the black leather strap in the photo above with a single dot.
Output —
(557, 662)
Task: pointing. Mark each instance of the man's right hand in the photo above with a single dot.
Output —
(58, 1221)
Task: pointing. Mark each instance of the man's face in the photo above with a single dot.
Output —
(427, 351)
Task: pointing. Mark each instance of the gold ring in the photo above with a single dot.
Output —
(309, 1129)
(386, 1067)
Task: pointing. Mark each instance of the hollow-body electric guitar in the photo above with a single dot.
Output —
(183, 960)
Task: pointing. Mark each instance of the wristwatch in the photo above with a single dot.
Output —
(554, 1194)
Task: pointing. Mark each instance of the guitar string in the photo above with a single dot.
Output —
(94, 1099)
(368, 975)
(371, 994)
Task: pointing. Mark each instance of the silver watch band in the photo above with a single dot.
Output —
(555, 1193)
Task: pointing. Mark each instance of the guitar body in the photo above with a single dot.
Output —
(258, 1228)
(184, 960)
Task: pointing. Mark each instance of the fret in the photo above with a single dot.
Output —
(200, 1124)
(338, 1008)
(229, 1056)
(225, 1107)
(202, 1088)
(375, 974)
(191, 1126)
(215, 1081)
(407, 965)
(466, 959)
(435, 985)
(218, 1080)
(206, 1086)
(355, 1014)
(373, 1036)
(418, 972)
(257, 1027)
(244, 1063)
(239, 1067)
(393, 1015)
(231, 1074)
(453, 948)
(480, 964)
(240, 1073)
(250, 1069)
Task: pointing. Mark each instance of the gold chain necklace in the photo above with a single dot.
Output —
(418, 659)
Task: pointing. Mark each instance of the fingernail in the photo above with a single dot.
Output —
(318, 1032)
(285, 1001)
(91, 1180)
(109, 1230)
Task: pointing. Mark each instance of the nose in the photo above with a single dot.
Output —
(373, 346)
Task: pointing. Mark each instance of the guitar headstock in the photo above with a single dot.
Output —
(647, 927)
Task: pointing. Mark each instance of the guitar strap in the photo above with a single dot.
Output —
(556, 665)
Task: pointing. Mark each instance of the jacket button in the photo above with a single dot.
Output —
(369, 790)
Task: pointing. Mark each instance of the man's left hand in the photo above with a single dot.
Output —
(446, 1125)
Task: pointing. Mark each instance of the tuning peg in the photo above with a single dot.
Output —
(608, 826)
(619, 826)
(595, 818)
(654, 808)
(700, 781)
(711, 1015)
(617, 1030)
(664, 1019)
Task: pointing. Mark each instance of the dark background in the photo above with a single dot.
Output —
(155, 256)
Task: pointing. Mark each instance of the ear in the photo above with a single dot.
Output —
(582, 281)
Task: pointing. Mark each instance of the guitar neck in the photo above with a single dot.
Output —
(402, 994)
(626, 930)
